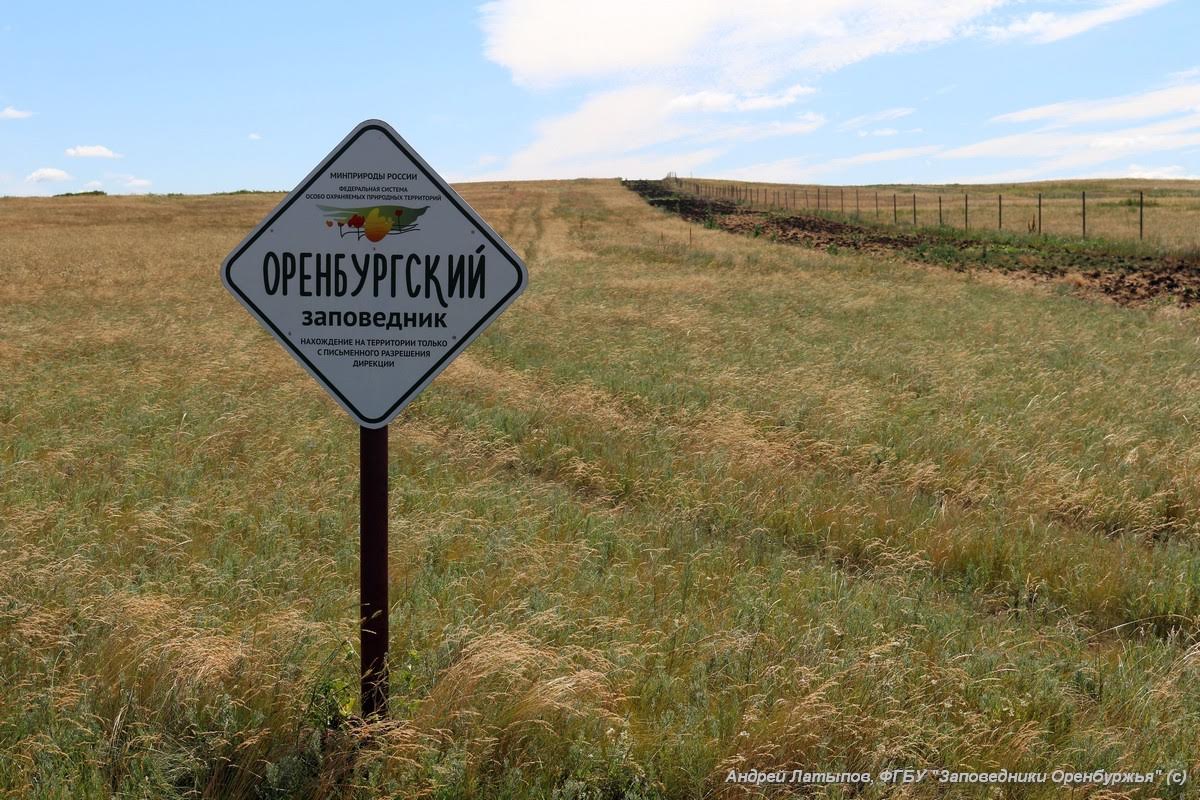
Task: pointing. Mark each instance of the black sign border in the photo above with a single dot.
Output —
(452, 196)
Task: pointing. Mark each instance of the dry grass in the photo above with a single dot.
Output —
(683, 509)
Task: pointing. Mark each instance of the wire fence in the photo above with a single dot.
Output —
(1164, 217)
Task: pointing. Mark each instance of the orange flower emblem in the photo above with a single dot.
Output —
(377, 225)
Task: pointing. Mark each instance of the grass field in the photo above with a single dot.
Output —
(1167, 216)
(697, 502)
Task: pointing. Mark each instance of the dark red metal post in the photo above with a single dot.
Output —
(373, 569)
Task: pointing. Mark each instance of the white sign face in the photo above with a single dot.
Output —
(374, 274)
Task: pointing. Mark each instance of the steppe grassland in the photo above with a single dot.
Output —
(697, 502)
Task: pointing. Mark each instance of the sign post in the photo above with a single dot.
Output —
(374, 274)
(373, 569)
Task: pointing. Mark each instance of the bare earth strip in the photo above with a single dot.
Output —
(1122, 271)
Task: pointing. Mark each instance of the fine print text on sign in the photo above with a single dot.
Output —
(374, 274)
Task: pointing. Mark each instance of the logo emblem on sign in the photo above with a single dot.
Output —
(373, 222)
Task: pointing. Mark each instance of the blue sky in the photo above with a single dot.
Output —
(182, 97)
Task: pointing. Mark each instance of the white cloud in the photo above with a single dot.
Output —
(1174, 172)
(608, 133)
(47, 175)
(604, 137)
(750, 44)
(91, 151)
(896, 154)
(130, 184)
(1156, 103)
(90, 185)
(765, 101)
(707, 100)
(620, 120)
(1081, 136)
(704, 101)
(1047, 26)
(1184, 75)
(254, 137)
(854, 123)
(803, 170)
(545, 43)
(598, 137)
(754, 131)
(8, 112)
(668, 67)
(1054, 153)
(604, 165)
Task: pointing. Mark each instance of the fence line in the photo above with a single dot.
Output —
(818, 198)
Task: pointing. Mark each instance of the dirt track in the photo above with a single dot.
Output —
(1122, 278)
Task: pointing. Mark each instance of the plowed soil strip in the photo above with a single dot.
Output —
(1127, 279)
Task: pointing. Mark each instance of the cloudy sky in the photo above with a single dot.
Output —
(180, 97)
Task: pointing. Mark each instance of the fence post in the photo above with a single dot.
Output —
(857, 210)
(966, 212)
(895, 214)
(999, 212)
(842, 201)
(1084, 206)
(914, 209)
(1039, 213)
(1141, 215)
(939, 211)
(877, 205)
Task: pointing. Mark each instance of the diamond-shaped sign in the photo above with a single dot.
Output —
(374, 274)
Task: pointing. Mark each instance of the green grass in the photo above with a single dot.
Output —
(681, 510)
